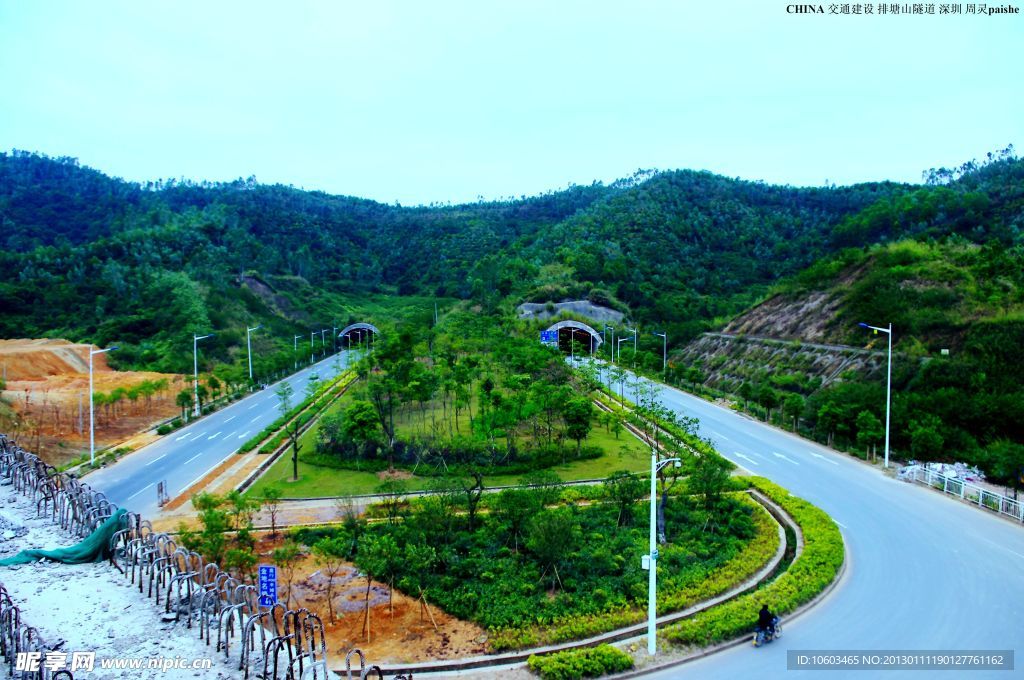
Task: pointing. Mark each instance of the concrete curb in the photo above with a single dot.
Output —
(519, 657)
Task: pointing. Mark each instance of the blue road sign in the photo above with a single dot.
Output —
(549, 336)
(268, 585)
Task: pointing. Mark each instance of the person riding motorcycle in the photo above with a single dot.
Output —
(766, 620)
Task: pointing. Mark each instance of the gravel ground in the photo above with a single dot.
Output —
(92, 607)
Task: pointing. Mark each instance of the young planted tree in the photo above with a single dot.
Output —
(287, 557)
(624, 489)
(869, 432)
(272, 504)
(393, 498)
(514, 508)
(330, 556)
(552, 536)
(578, 415)
(284, 406)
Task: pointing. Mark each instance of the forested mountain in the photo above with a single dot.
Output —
(93, 258)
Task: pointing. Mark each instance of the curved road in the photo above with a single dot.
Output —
(186, 455)
(924, 571)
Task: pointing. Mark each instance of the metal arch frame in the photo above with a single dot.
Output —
(358, 327)
(569, 323)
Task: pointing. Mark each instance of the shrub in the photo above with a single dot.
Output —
(581, 663)
(164, 429)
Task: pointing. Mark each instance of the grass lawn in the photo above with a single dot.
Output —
(624, 453)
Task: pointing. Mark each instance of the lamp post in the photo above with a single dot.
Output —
(195, 368)
(334, 335)
(312, 334)
(295, 351)
(92, 421)
(323, 342)
(248, 345)
(664, 354)
(623, 379)
(634, 331)
(650, 560)
(888, 383)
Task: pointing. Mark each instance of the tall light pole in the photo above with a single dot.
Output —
(248, 345)
(664, 354)
(634, 331)
(651, 558)
(195, 368)
(622, 380)
(334, 335)
(612, 329)
(295, 351)
(312, 334)
(92, 421)
(323, 342)
(888, 383)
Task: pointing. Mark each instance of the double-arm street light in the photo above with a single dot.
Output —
(650, 560)
(295, 351)
(248, 345)
(195, 369)
(888, 383)
(92, 435)
(664, 353)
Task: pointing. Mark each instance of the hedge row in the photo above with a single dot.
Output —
(811, 572)
(750, 559)
(592, 662)
(280, 422)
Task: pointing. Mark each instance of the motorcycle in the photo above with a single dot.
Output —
(762, 636)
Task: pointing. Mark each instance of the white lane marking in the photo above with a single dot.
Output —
(827, 460)
(253, 406)
(1001, 546)
(139, 491)
(230, 419)
(200, 434)
(779, 455)
(187, 434)
(185, 488)
(737, 453)
(244, 435)
(154, 460)
(230, 433)
(720, 436)
(838, 522)
(255, 419)
(214, 436)
(193, 458)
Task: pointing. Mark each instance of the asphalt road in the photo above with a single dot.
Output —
(186, 455)
(924, 571)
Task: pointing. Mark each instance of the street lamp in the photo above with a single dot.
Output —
(664, 353)
(248, 345)
(312, 334)
(635, 332)
(650, 560)
(92, 435)
(888, 383)
(295, 351)
(323, 342)
(195, 368)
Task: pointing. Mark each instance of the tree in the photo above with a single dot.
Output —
(925, 439)
(393, 492)
(473, 487)
(552, 536)
(769, 398)
(202, 393)
(287, 557)
(709, 478)
(547, 485)
(514, 508)
(869, 432)
(793, 406)
(183, 400)
(578, 414)
(272, 502)
(359, 422)
(284, 393)
(330, 556)
(624, 489)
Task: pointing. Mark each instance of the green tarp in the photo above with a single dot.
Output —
(94, 548)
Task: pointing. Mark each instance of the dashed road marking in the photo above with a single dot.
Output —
(785, 458)
(747, 458)
(154, 460)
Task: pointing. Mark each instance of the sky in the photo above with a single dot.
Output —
(421, 102)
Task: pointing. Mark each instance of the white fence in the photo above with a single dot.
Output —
(966, 491)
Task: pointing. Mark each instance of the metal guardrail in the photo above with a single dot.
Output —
(965, 491)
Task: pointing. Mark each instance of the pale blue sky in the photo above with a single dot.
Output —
(444, 101)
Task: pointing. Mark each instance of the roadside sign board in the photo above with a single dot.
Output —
(549, 337)
(268, 585)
